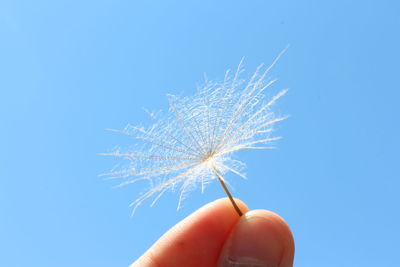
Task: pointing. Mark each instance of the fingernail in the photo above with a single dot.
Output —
(254, 242)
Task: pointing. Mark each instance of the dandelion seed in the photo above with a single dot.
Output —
(194, 142)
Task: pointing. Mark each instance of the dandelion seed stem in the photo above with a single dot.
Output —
(221, 180)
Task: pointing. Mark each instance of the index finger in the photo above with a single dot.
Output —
(195, 241)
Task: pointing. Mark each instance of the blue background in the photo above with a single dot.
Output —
(70, 69)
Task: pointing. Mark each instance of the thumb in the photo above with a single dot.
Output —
(260, 239)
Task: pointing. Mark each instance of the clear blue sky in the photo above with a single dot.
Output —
(70, 69)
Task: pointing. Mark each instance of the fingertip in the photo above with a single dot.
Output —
(260, 238)
(224, 206)
(227, 204)
(282, 228)
(276, 220)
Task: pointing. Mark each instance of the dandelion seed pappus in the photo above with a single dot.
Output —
(192, 144)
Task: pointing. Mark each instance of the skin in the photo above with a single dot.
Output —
(215, 235)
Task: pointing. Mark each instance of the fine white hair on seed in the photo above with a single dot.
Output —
(193, 143)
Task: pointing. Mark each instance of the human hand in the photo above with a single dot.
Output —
(215, 235)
